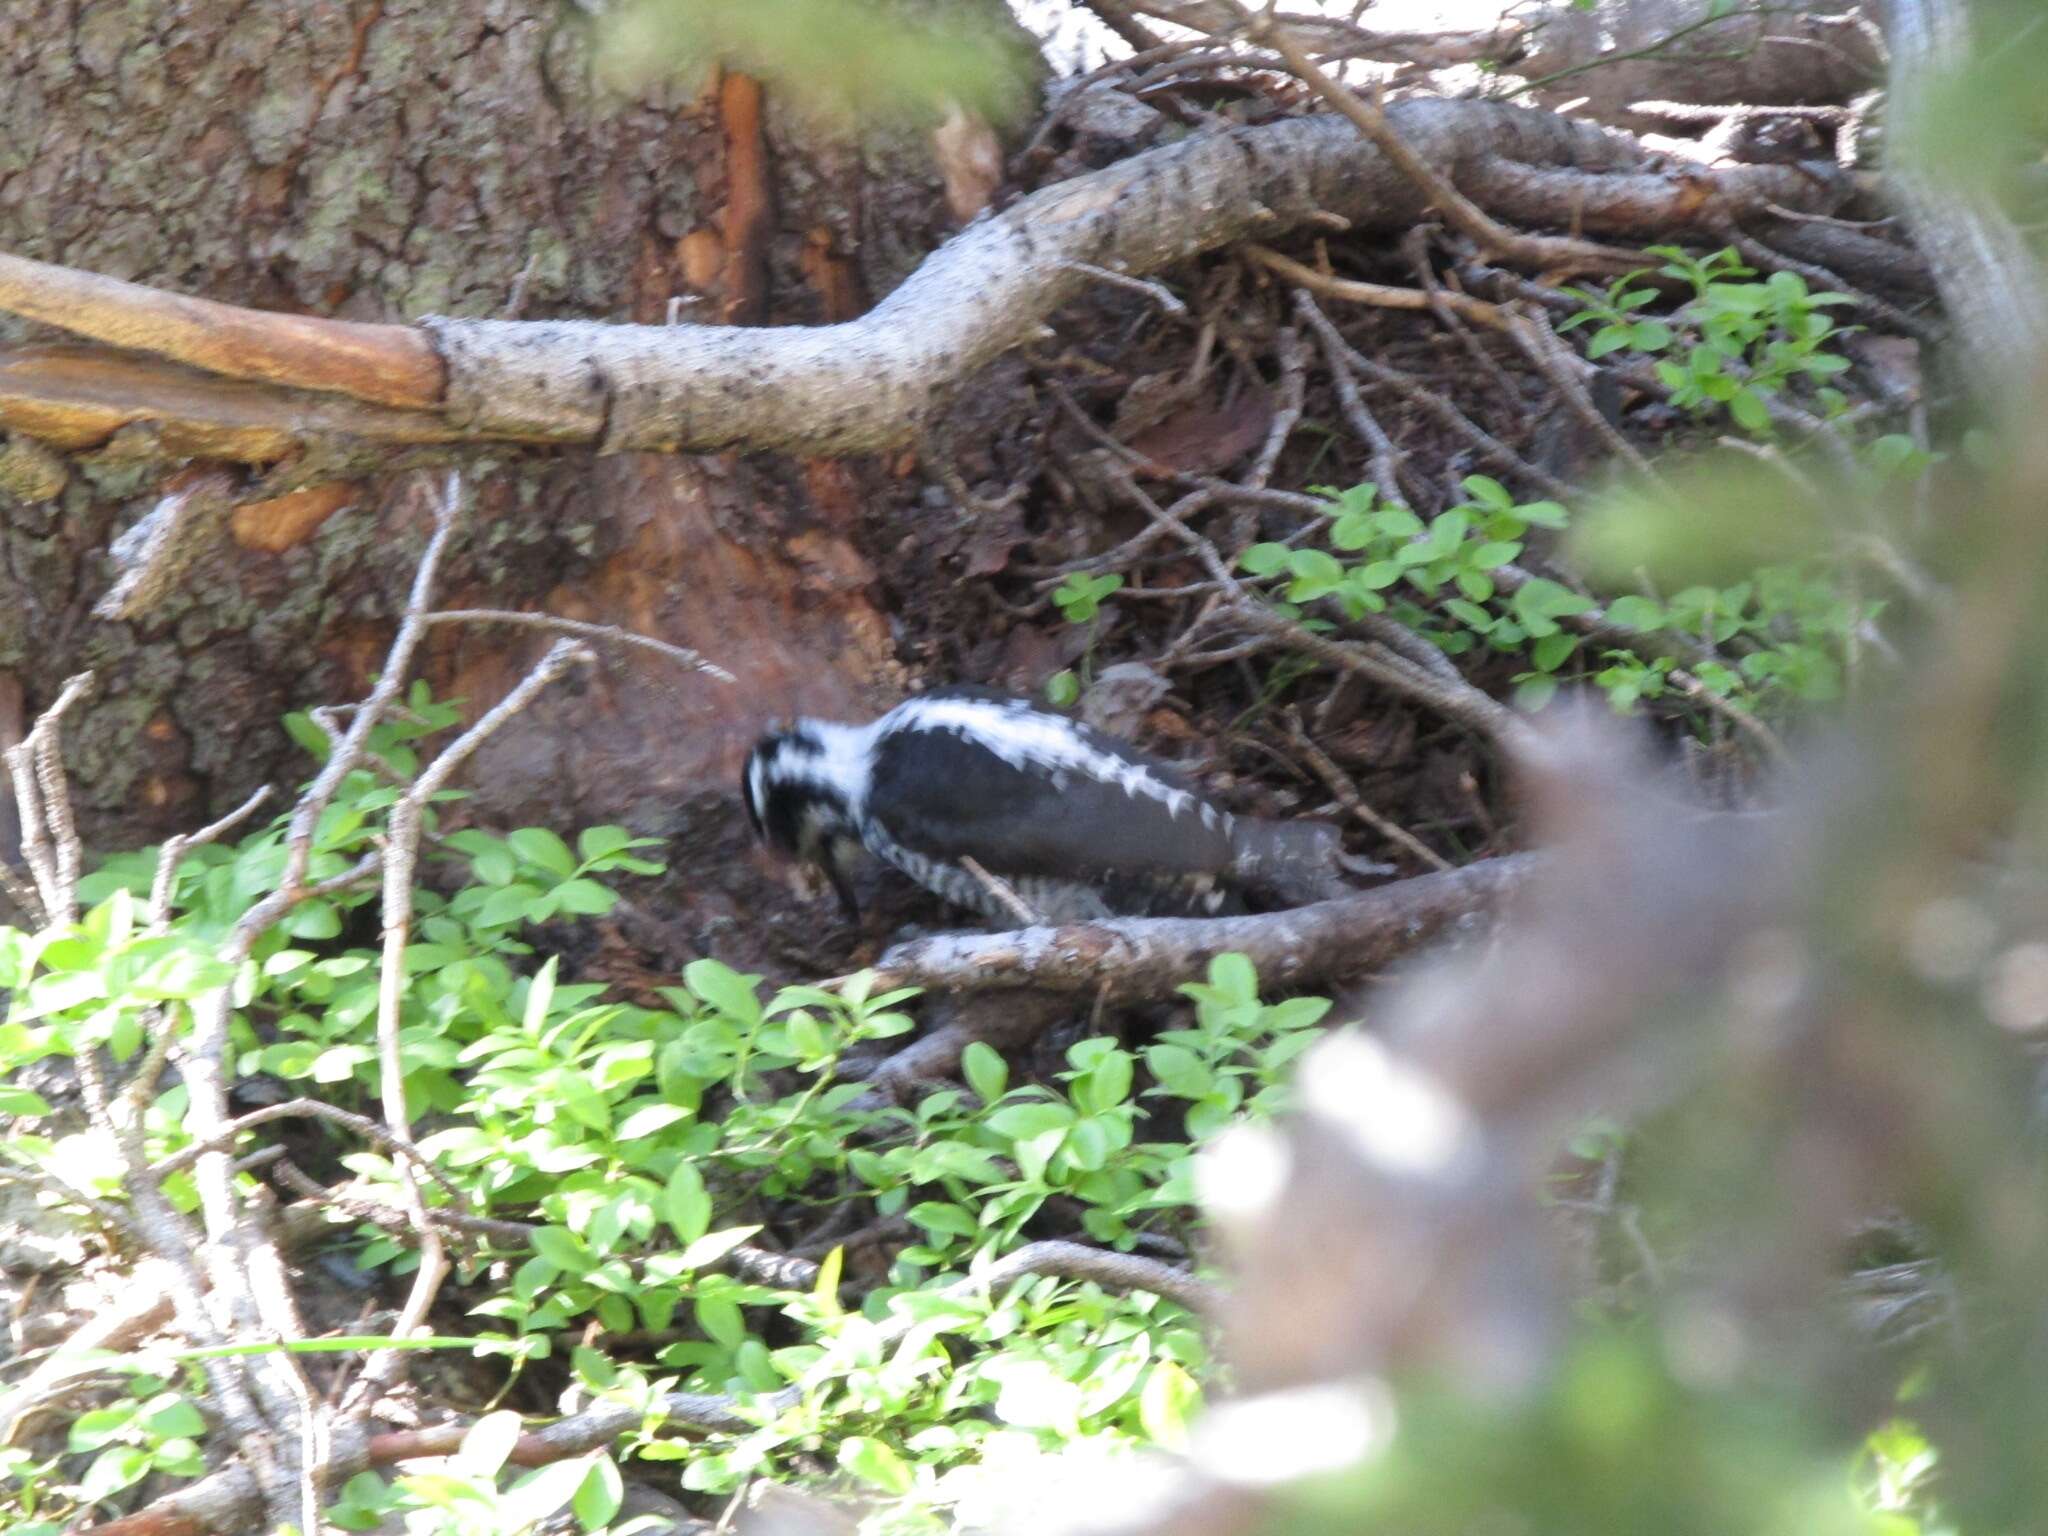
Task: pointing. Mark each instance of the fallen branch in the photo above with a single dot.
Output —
(864, 385)
(1149, 956)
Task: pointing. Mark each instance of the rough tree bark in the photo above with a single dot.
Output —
(379, 159)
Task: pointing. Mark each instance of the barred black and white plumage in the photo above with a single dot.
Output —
(1076, 823)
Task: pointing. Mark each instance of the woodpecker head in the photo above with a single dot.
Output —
(803, 792)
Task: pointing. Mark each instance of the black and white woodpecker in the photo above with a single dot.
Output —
(1076, 824)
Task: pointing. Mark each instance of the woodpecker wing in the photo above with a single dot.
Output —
(1080, 806)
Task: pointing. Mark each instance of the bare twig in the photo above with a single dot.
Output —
(1157, 292)
(1450, 416)
(1734, 713)
(175, 849)
(315, 1109)
(1000, 889)
(1340, 785)
(401, 852)
(1293, 360)
(604, 634)
(1542, 345)
(1380, 295)
(1385, 459)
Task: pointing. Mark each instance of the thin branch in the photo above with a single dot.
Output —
(1450, 416)
(604, 634)
(401, 853)
(1158, 293)
(1385, 459)
(1379, 295)
(1001, 891)
(315, 1109)
(1293, 360)
(1734, 713)
(1339, 784)
(1542, 345)
(175, 849)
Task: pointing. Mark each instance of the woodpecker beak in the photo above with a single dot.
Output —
(843, 889)
(838, 855)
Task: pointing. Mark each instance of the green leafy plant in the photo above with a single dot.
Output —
(1743, 342)
(642, 1145)
(1080, 596)
(1456, 582)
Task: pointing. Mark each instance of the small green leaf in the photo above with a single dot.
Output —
(1750, 412)
(22, 1103)
(1552, 651)
(1609, 338)
(686, 1204)
(494, 865)
(1637, 613)
(584, 898)
(98, 1426)
(1487, 557)
(873, 1461)
(1488, 492)
(985, 1070)
(1020, 1122)
(1379, 575)
(648, 1119)
(713, 1246)
(170, 1414)
(938, 1216)
(539, 846)
(594, 843)
(1264, 559)
(560, 1247)
(725, 989)
(312, 920)
(600, 1494)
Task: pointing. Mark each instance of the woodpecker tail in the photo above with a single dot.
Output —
(1290, 863)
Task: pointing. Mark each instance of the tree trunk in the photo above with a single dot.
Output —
(378, 160)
